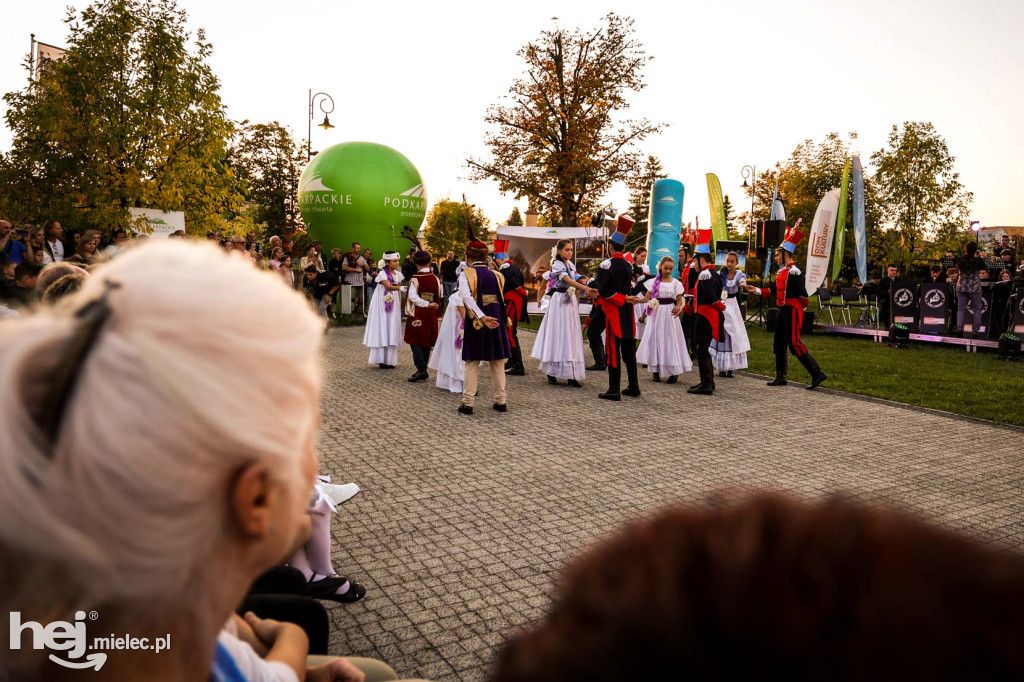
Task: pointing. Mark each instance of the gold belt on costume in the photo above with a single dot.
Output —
(428, 297)
(489, 300)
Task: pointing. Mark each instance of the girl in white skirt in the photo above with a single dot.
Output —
(383, 332)
(663, 348)
(731, 353)
(446, 360)
(559, 344)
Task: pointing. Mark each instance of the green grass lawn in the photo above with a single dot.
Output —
(943, 378)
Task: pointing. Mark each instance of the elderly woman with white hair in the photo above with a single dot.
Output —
(157, 439)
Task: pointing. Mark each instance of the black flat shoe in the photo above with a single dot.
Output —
(657, 378)
(631, 392)
(597, 368)
(778, 382)
(382, 365)
(553, 381)
(517, 372)
(817, 381)
(418, 376)
(575, 384)
(500, 408)
(729, 374)
(672, 379)
(465, 409)
(696, 386)
(324, 586)
(610, 396)
(722, 374)
(701, 390)
(355, 593)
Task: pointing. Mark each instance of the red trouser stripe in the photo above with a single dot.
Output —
(797, 322)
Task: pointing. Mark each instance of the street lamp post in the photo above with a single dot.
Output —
(326, 125)
(750, 172)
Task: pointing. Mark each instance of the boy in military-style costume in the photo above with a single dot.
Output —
(790, 295)
(614, 283)
(708, 311)
(422, 309)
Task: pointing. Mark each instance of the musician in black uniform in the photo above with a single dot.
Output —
(708, 311)
(789, 291)
(614, 282)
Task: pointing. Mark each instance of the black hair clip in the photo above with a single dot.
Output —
(90, 317)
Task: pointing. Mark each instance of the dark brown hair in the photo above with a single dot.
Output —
(774, 588)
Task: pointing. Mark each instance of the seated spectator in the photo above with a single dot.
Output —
(88, 250)
(102, 509)
(119, 245)
(772, 588)
(983, 274)
(1001, 312)
(22, 294)
(11, 249)
(1006, 255)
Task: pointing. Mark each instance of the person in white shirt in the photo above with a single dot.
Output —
(54, 246)
(119, 246)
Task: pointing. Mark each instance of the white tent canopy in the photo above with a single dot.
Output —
(536, 242)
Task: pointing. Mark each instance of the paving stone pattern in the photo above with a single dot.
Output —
(464, 523)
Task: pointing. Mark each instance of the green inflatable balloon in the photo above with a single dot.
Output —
(362, 192)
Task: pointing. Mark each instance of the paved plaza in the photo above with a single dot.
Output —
(463, 522)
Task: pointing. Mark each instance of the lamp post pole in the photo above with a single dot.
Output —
(326, 125)
(750, 171)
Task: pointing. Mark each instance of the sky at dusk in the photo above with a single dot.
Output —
(738, 83)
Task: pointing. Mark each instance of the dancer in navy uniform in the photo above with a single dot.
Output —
(516, 297)
(486, 336)
(708, 317)
(614, 282)
(791, 296)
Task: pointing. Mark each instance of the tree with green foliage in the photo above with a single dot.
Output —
(268, 161)
(514, 218)
(446, 226)
(558, 138)
(129, 117)
(737, 230)
(919, 188)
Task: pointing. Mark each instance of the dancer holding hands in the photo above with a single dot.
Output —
(663, 348)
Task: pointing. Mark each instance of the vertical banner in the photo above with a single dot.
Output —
(860, 234)
(837, 257)
(934, 307)
(819, 246)
(719, 230)
(664, 222)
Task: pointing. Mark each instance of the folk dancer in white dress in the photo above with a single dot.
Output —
(383, 333)
(446, 360)
(559, 344)
(731, 354)
(663, 348)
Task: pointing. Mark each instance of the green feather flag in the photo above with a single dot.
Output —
(837, 256)
(719, 230)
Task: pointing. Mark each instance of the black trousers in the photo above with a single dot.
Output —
(787, 332)
(702, 338)
(280, 594)
(420, 357)
(621, 352)
(597, 324)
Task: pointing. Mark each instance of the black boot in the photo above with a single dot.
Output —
(811, 365)
(614, 383)
(514, 367)
(781, 365)
(707, 375)
(600, 359)
(657, 378)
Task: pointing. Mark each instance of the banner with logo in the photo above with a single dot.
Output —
(903, 301)
(934, 307)
(837, 258)
(665, 222)
(160, 224)
(986, 315)
(819, 246)
(860, 233)
(1017, 316)
(719, 228)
